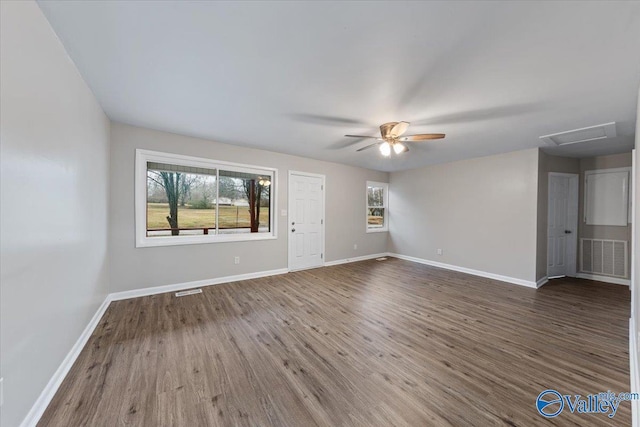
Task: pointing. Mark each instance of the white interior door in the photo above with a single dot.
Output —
(306, 220)
(562, 225)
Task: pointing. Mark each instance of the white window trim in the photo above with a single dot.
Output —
(142, 241)
(385, 205)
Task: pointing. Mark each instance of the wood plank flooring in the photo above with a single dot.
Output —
(389, 343)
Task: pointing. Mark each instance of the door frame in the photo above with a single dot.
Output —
(574, 202)
(634, 242)
(289, 210)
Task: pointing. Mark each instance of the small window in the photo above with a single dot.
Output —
(185, 200)
(377, 206)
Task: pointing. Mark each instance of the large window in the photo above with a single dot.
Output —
(183, 200)
(377, 206)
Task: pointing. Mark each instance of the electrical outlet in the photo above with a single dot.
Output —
(236, 260)
(355, 246)
(439, 251)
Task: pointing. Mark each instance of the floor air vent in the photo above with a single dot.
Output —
(606, 257)
(189, 292)
(607, 130)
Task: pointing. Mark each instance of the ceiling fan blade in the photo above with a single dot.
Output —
(363, 137)
(422, 137)
(399, 129)
(368, 146)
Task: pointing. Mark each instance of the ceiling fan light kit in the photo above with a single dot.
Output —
(398, 148)
(385, 149)
(391, 135)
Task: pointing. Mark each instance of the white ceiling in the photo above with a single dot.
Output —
(294, 77)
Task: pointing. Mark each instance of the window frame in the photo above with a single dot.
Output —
(385, 206)
(145, 156)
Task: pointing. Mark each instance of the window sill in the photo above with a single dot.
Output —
(377, 230)
(150, 242)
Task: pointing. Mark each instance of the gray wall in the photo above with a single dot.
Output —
(602, 231)
(135, 268)
(481, 212)
(55, 161)
(548, 163)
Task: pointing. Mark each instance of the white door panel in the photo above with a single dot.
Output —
(562, 225)
(305, 222)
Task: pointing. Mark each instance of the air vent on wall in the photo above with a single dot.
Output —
(607, 130)
(606, 257)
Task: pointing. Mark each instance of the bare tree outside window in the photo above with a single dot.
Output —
(174, 185)
(256, 191)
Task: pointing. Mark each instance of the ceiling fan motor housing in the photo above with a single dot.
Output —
(385, 130)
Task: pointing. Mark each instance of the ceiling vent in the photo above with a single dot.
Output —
(607, 130)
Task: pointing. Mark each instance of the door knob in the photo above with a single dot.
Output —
(567, 231)
(293, 223)
(293, 230)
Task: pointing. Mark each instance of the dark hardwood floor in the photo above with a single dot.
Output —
(389, 343)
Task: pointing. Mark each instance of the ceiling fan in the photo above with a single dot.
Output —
(391, 138)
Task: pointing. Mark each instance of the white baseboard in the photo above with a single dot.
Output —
(634, 373)
(195, 284)
(52, 386)
(515, 281)
(542, 281)
(355, 259)
(606, 279)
